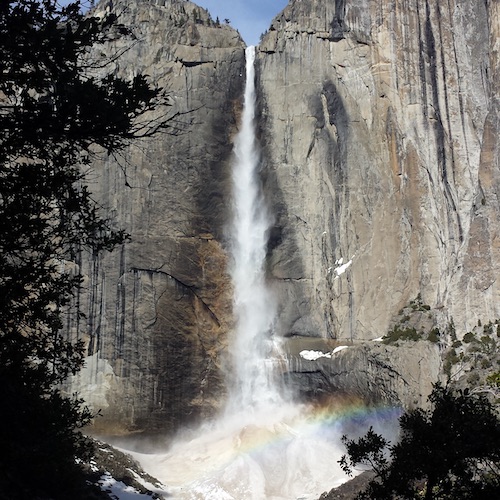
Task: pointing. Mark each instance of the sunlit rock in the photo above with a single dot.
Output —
(379, 121)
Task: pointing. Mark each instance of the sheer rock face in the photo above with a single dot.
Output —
(158, 309)
(379, 123)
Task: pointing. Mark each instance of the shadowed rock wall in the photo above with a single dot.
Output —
(158, 309)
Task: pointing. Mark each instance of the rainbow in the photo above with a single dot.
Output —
(286, 452)
(339, 416)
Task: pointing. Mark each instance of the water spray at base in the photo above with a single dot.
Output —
(284, 453)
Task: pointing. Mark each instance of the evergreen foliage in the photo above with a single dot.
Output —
(55, 110)
(450, 452)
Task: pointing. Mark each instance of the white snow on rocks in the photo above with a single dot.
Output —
(311, 355)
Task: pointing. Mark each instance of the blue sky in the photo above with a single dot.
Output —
(249, 17)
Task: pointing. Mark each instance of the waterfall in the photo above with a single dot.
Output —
(254, 350)
(264, 446)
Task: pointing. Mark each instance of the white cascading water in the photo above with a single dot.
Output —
(254, 351)
(263, 447)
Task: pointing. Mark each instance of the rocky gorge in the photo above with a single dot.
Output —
(378, 121)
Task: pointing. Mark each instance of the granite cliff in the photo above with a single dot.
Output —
(157, 309)
(378, 121)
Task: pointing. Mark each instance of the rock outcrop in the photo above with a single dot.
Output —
(157, 310)
(394, 375)
(379, 122)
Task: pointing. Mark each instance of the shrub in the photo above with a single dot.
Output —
(434, 335)
(469, 337)
(485, 363)
(451, 358)
(404, 334)
(493, 379)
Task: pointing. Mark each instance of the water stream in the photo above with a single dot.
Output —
(254, 351)
(264, 446)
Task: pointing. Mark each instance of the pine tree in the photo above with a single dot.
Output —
(54, 112)
(450, 452)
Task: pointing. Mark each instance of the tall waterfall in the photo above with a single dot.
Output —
(253, 349)
(264, 446)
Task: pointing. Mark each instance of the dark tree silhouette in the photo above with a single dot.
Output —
(55, 110)
(450, 452)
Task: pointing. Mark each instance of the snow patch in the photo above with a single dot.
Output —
(314, 355)
(341, 267)
(339, 348)
(159, 488)
(118, 490)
